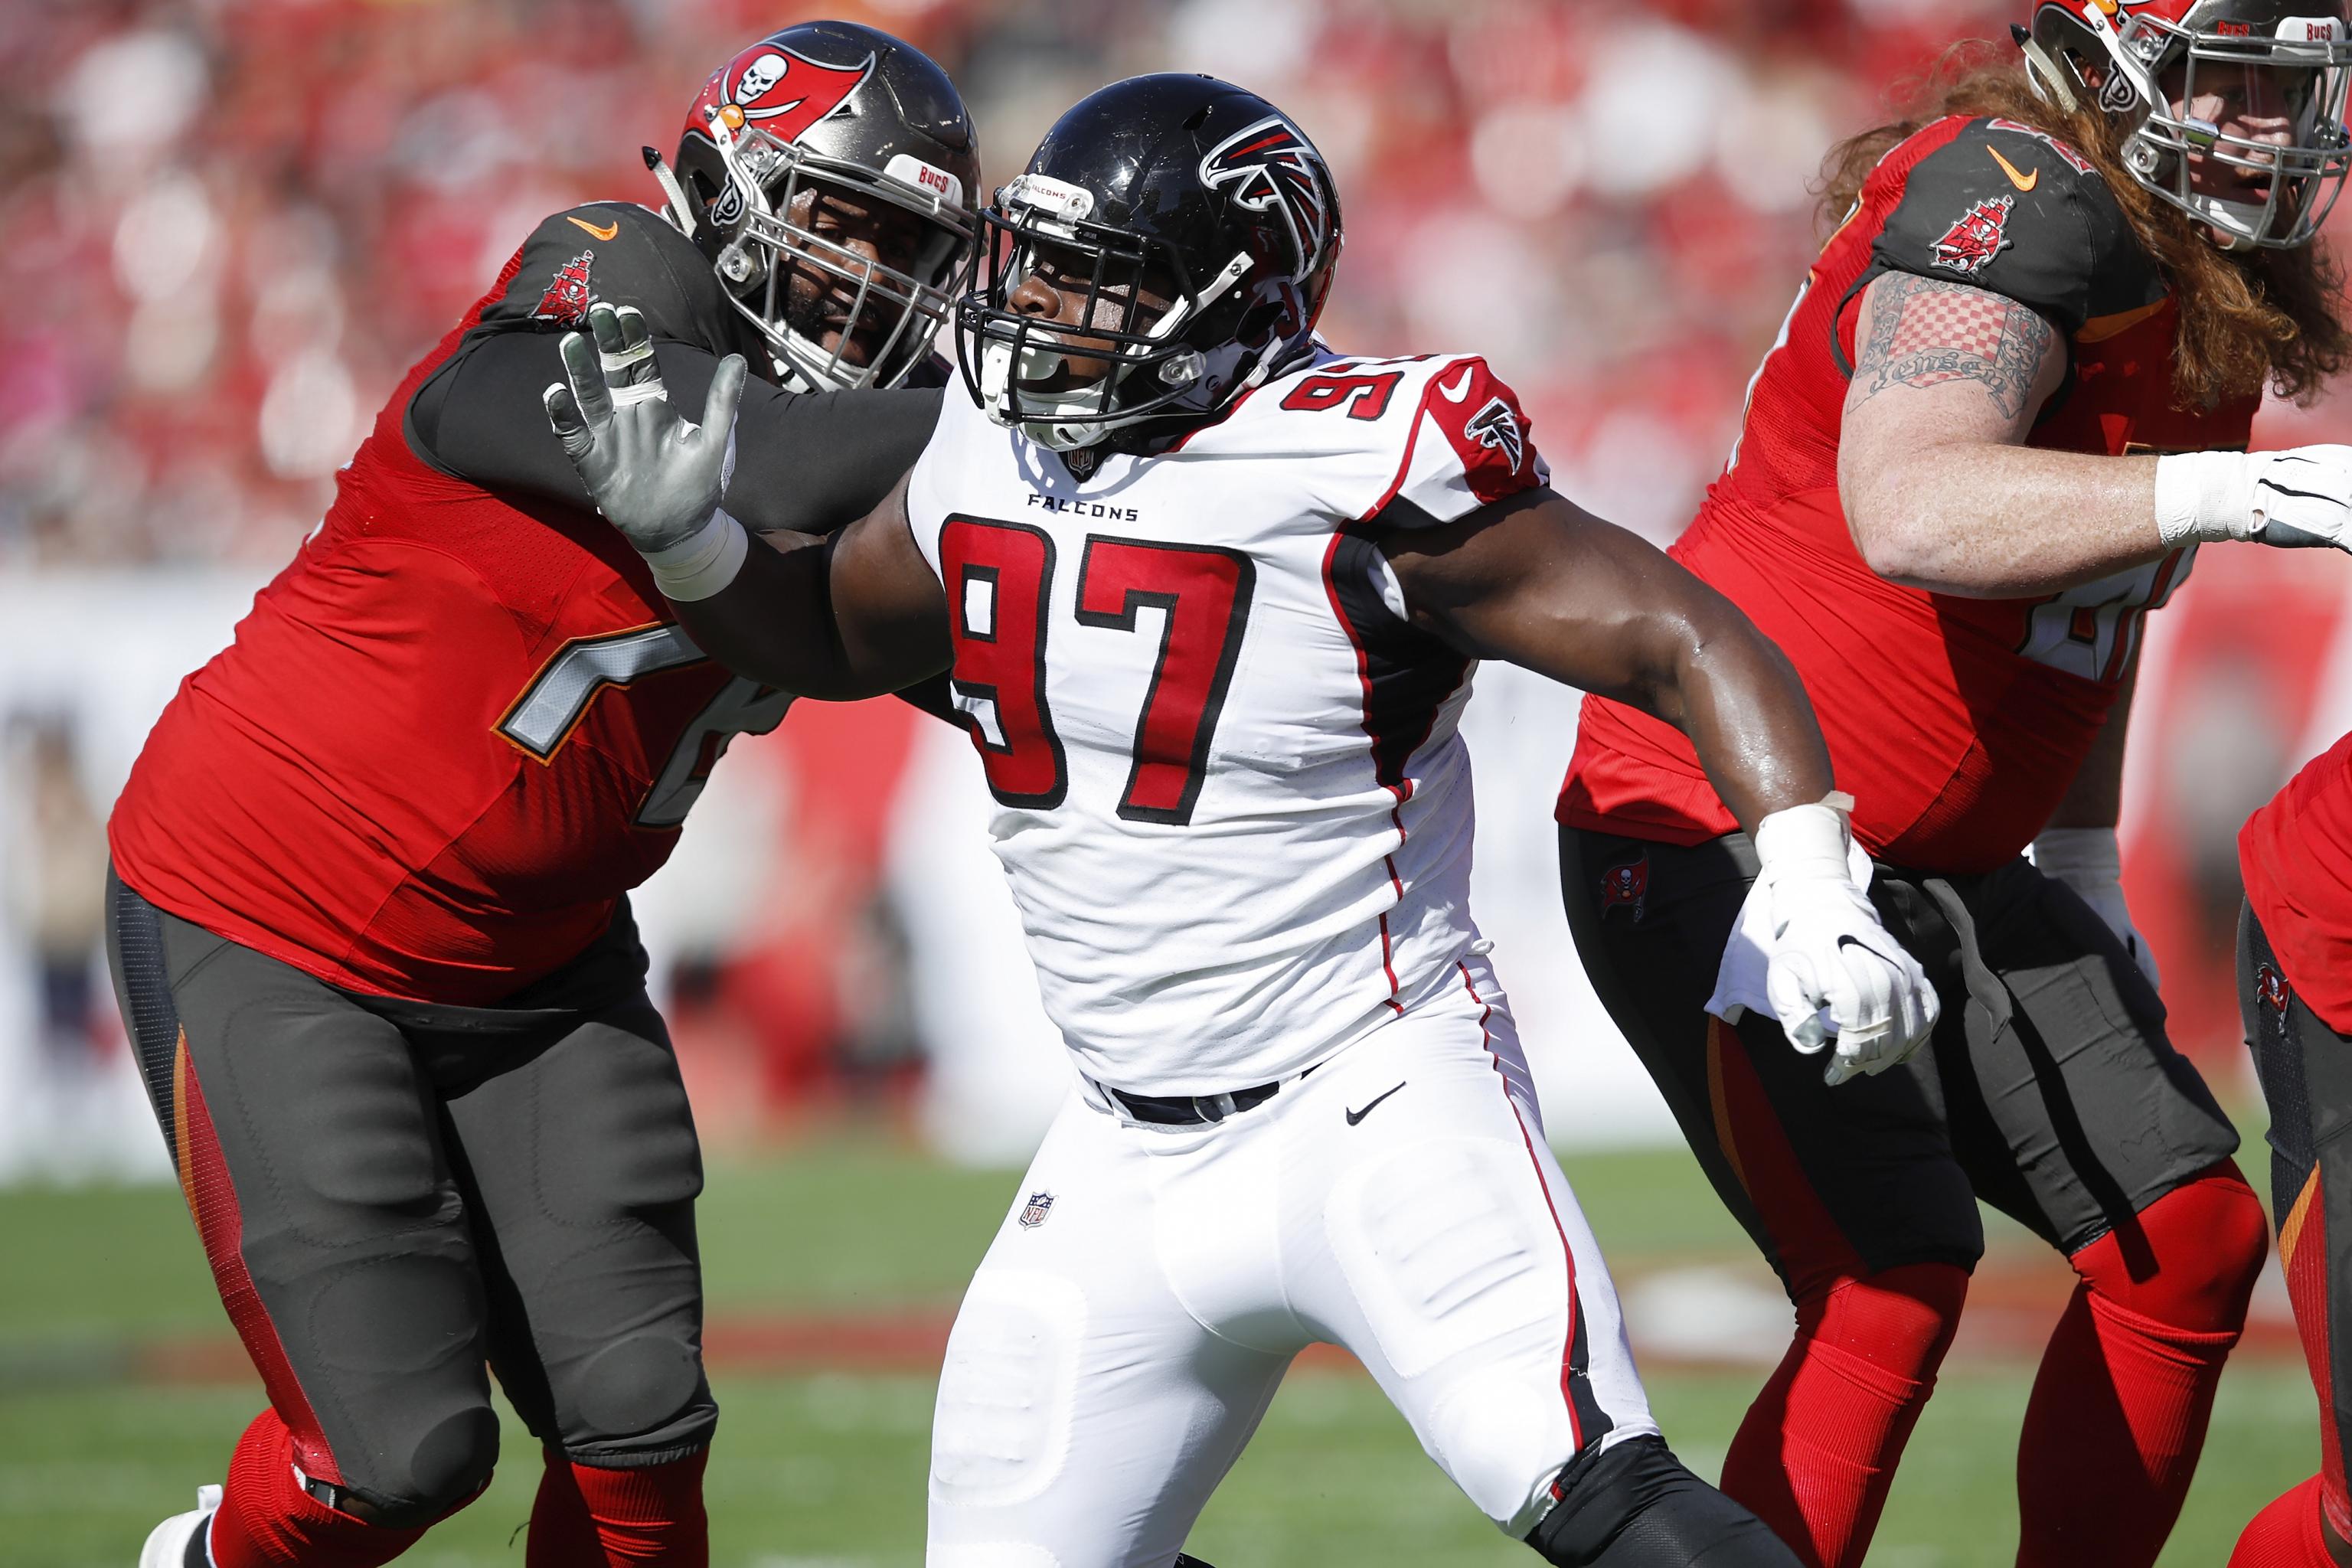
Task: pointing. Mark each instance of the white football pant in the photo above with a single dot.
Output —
(1151, 1285)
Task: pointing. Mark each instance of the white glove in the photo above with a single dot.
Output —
(1835, 974)
(2087, 860)
(2295, 498)
(655, 474)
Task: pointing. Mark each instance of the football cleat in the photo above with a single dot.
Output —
(179, 1540)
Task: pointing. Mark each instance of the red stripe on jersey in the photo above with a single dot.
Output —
(1231, 409)
(1397, 884)
(1388, 965)
(1355, 641)
(1404, 464)
(213, 1204)
(1407, 675)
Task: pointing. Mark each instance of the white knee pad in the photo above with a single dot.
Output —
(1502, 1435)
(1002, 1433)
(1459, 1269)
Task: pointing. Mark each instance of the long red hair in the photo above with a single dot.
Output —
(2247, 318)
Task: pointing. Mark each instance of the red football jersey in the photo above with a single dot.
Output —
(453, 732)
(2296, 855)
(1956, 723)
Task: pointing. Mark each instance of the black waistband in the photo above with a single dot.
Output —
(1193, 1109)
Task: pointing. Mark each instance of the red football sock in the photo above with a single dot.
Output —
(1818, 1450)
(590, 1518)
(2119, 1413)
(266, 1521)
(2287, 1533)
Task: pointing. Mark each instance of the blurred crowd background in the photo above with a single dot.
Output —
(227, 227)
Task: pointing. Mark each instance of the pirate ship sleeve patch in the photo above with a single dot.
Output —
(620, 253)
(2008, 209)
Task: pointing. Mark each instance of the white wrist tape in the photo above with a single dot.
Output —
(2200, 497)
(614, 363)
(704, 563)
(1804, 841)
(2079, 853)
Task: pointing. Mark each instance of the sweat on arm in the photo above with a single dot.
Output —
(1536, 581)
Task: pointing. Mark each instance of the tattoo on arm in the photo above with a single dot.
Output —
(1925, 332)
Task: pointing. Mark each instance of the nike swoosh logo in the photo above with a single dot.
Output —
(1356, 1116)
(1460, 388)
(612, 229)
(2022, 182)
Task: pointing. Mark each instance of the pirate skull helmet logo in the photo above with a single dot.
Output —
(759, 76)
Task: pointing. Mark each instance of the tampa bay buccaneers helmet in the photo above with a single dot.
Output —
(1180, 187)
(840, 105)
(2137, 60)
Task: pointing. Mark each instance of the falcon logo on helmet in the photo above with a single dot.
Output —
(788, 92)
(1271, 168)
(1202, 272)
(1968, 247)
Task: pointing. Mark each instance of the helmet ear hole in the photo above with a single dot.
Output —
(1261, 323)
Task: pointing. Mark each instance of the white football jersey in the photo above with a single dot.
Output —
(1229, 793)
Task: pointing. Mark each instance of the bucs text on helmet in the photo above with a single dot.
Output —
(1178, 186)
(2137, 60)
(830, 106)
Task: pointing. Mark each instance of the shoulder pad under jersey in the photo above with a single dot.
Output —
(2012, 210)
(1416, 442)
(622, 254)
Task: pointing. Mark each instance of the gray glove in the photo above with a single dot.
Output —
(655, 474)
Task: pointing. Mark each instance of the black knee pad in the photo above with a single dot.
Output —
(639, 1401)
(1637, 1506)
(447, 1468)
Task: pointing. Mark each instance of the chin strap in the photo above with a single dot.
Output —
(2045, 75)
(681, 211)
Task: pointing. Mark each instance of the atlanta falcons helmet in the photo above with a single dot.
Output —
(2140, 60)
(830, 104)
(1182, 186)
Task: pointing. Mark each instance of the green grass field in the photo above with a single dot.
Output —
(827, 1469)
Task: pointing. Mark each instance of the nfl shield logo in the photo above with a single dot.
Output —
(1040, 1206)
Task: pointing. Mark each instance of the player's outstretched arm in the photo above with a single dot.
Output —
(852, 614)
(1941, 493)
(1537, 581)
